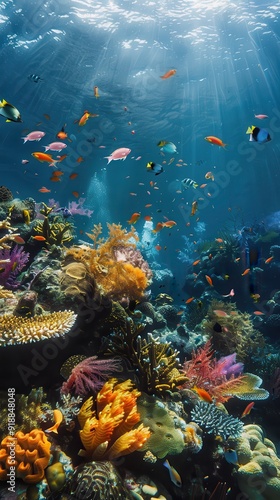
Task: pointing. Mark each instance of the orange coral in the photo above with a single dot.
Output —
(108, 433)
(31, 455)
(117, 275)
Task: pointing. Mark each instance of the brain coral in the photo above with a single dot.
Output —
(258, 476)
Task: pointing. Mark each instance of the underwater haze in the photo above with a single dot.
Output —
(140, 248)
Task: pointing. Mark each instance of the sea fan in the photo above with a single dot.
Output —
(17, 258)
(89, 375)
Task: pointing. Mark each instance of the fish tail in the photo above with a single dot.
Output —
(108, 158)
(46, 148)
(24, 139)
(52, 429)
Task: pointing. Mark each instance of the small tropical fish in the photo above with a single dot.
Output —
(258, 313)
(61, 158)
(203, 186)
(62, 134)
(148, 205)
(230, 294)
(194, 208)
(215, 140)
(203, 394)
(148, 217)
(118, 154)
(220, 313)
(18, 239)
(248, 409)
(46, 116)
(95, 91)
(44, 157)
(231, 456)
(57, 173)
(85, 118)
(170, 223)
(55, 146)
(158, 227)
(39, 238)
(26, 216)
(188, 183)
(73, 175)
(76, 194)
(209, 175)
(209, 280)
(196, 262)
(246, 271)
(33, 136)
(255, 297)
(80, 159)
(219, 240)
(167, 147)
(158, 248)
(55, 178)
(44, 190)
(174, 475)
(261, 117)
(154, 167)
(267, 261)
(188, 301)
(134, 218)
(168, 74)
(58, 418)
(34, 78)
(9, 112)
(258, 134)
(24, 162)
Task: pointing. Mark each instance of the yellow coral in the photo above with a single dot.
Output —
(32, 455)
(108, 432)
(18, 330)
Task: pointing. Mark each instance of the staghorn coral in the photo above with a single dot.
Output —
(215, 421)
(258, 474)
(118, 279)
(32, 455)
(110, 432)
(157, 366)
(17, 330)
(235, 331)
(89, 375)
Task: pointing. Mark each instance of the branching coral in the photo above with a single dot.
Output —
(157, 366)
(216, 421)
(55, 231)
(232, 331)
(32, 455)
(89, 375)
(17, 330)
(115, 263)
(110, 432)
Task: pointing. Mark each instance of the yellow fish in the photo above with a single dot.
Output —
(58, 418)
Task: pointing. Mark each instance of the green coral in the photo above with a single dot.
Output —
(55, 230)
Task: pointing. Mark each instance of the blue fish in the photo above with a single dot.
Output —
(231, 456)
(167, 147)
(258, 134)
(154, 167)
(34, 78)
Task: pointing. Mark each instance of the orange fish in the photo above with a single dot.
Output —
(61, 158)
(267, 261)
(148, 217)
(247, 409)
(158, 227)
(258, 313)
(85, 118)
(18, 239)
(215, 140)
(245, 272)
(134, 218)
(151, 183)
(76, 194)
(188, 301)
(209, 280)
(44, 157)
(148, 205)
(179, 313)
(196, 262)
(194, 207)
(73, 176)
(95, 91)
(39, 238)
(219, 240)
(55, 179)
(221, 313)
(203, 186)
(209, 175)
(57, 173)
(158, 248)
(58, 418)
(80, 159)
(44, 190)
(203, 394)
(62, 134)
(170, 223)
(168, 74)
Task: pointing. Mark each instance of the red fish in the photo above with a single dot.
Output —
(168, 74)
(39, 238)
(158, 227)
(215, 140)
(247, 409)
(203, 394)
(73, 176)
(170, 223)
(209, 280)
(134, 218)
(246, 272)
(267, 261)
(194, 208)
(44, 190)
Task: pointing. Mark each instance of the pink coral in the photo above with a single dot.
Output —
(89, 375)
(134, 257)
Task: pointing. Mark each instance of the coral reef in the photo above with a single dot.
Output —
(32, 455)
(158, 368)
(54, 230)
(232, 331)
(89, 375)
(110, 432)
(258, 474)
(5, 194)
(215, 421)
(18, 330)
(12, 261)
(97, 481)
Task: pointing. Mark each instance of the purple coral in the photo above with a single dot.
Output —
(89, 375)
(134, 257)
(16, 258)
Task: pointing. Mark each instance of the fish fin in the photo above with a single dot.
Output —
(109, 159)
(195, 185)
(52, 429)
(250, 130)
(8, 121)
(3, 103)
